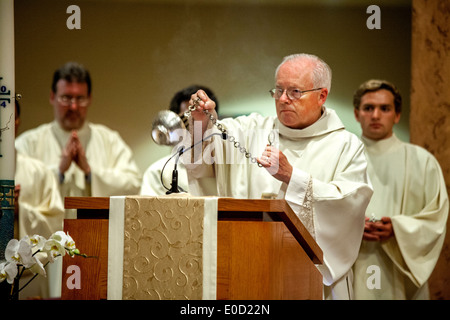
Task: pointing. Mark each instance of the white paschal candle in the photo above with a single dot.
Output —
(7, 124)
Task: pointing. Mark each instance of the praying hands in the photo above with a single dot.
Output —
(378, 231)
(75, 152)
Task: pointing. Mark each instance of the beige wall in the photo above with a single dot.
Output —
(140, 52)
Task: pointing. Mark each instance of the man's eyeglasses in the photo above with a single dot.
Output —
(66, 101)
(292, 94)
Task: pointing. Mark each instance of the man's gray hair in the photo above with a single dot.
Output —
(321, 73)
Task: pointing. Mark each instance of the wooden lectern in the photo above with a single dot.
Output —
(256, 259)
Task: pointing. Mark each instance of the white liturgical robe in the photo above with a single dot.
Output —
(409, 188)
(329, 163)
(41, 209)
(113, 170)
(41, 212)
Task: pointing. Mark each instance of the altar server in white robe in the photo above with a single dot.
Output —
(406, 217)
(38, 206)
(151, 180)
(38, 210)
(88, 159)
(307, 158)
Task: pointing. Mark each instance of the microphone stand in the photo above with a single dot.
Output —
(174, 185)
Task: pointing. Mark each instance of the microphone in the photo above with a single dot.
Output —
(174, 185)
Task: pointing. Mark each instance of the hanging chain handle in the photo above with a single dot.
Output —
(222, 130)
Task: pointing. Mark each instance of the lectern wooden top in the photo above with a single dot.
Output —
(275, 206)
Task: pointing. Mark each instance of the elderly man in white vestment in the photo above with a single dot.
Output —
(406, 217)
(38, 210)
(151, 180)
(88, 159)
(307, 158)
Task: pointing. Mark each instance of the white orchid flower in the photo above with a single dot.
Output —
(19, 252)
(66, 241)
(38, 268)
(37, 242)
(59, 236)
(24, 254)
(53, 248)
(63, 238)
(8, 271)
(70, 244)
